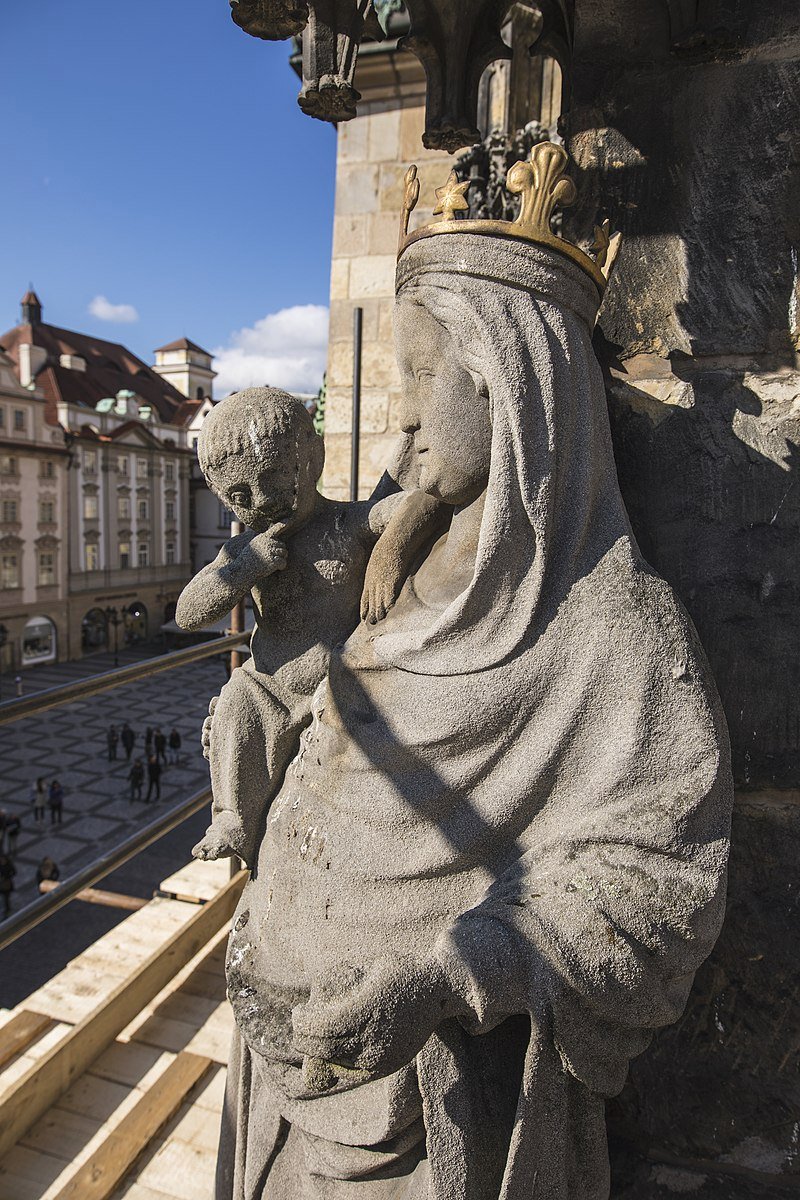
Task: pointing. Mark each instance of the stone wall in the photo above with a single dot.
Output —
(374, 151)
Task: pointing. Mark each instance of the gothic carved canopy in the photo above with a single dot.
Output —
(455, 40)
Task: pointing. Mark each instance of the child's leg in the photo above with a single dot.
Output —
(253, 738)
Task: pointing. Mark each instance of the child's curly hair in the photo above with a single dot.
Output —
(250, 420)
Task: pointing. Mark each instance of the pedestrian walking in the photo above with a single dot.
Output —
(47, 869)
(7, 873)
(175, 746)
(153, 778)
(13, 826)
(55, 800)
(136, 777)
(39, 799)
(128, 739)
(160, 746)
(112, 737)
(148, 741)
(3, 822)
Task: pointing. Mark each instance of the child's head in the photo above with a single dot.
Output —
(262, 457)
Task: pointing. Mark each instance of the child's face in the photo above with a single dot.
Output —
(260, 490)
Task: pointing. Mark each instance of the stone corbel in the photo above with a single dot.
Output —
(455, 43)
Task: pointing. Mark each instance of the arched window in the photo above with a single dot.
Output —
(94, 631)
(39, 641)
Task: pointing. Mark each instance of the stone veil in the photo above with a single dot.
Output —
(527, 787)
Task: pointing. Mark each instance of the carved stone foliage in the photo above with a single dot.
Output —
(486, 165)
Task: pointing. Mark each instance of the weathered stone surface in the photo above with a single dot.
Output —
(722, 1086)
(708, 460)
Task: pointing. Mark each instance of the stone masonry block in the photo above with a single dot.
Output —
(352, 139)
(349, 235)
(356, 188)
(384, 137)
(379, 366)
(340, 328)
(340, 278)
(340, 366)
(382, 233)
(372, 276)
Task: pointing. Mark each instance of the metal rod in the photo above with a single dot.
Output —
(358, 321)
(15, 709)
(33, 914)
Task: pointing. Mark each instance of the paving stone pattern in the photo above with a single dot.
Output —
(69, 743)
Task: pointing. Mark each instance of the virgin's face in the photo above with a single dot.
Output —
(442, 408)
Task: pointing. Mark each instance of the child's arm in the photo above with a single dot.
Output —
(218, 588)
(404, 523)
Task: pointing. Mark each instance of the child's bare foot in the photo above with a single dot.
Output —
(213, 845)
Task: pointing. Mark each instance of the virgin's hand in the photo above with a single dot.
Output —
(372, 1022)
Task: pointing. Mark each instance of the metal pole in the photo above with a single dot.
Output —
(358, 319)
(237, 615)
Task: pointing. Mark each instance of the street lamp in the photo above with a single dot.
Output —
(116, 619)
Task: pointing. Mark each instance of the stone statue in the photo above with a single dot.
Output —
(498, 857)
(303, 560)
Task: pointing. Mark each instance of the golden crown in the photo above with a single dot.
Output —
(543, 185)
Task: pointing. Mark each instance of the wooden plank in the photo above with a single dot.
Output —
(100, 896)
(53, 1074)
(197, 882)
(18, 1033)
(111, 1162)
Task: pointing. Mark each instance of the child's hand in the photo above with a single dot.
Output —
(382, 583)
(268, 551)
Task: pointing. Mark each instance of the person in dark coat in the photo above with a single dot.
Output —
(7, 873)
(13, 826)
(153, 778)
(148, 740)
(160, 746)
(112, 737)
(136, 777)
(175, 746)
(47, 869)
(39, 798)
(128, 739)
(56, 802)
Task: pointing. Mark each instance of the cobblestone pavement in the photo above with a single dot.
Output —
(69, 743)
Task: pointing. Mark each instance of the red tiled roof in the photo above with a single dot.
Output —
(183, 344)
(110, 368)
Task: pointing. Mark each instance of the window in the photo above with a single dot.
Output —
(8, 464)
(122, 465)
(10, 509)
(199, 393)
(169, 472)
(142, 510)
(124, 555)
(141, 468)
(90, 461)
(169, 510)
(2, 418)
(90, 508)
(48, 470)
(123, 508)
(143, 555)
(224, 517)
(47, 568)
(92, 557)
(19, 419)
(47, 512)
(170, 554)
(9, 571)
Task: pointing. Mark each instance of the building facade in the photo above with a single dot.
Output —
(34, 530)
(122, 436)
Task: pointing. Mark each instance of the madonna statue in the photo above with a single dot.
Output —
(499, 854)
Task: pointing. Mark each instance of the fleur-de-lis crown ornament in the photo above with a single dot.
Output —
(543, 186)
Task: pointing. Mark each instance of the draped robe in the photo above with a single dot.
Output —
(532, 784)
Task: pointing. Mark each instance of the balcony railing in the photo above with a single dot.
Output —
(129, 577)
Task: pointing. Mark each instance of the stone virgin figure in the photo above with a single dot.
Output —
(499, 855)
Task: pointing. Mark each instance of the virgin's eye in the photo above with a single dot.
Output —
(425, 376)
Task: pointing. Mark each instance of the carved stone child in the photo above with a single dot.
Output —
(303, 560)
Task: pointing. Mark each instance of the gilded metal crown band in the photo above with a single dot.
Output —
(543, 186)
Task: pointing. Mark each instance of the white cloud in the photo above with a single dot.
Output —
(286, 349)
(104, 310)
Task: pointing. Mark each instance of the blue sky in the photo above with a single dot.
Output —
(153, 156)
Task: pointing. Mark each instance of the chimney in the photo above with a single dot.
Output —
(31, 361)
(31, 308)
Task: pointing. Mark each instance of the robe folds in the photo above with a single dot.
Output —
(532, 784)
